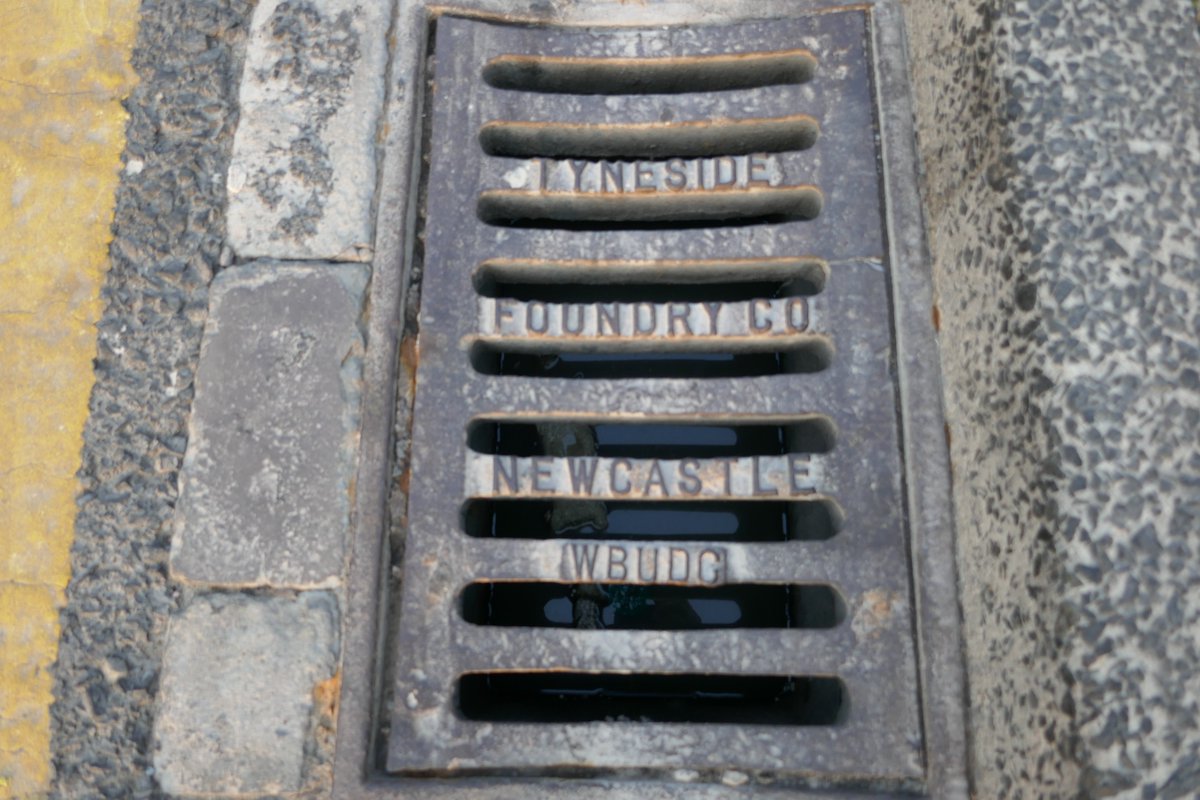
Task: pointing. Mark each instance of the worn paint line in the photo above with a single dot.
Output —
(65, 69)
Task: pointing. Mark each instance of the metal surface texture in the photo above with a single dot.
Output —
(592, 175)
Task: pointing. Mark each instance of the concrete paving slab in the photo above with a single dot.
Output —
(302, 179)
(265, 485)
(239, 677)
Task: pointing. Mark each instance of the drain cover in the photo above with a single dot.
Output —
(656, 514)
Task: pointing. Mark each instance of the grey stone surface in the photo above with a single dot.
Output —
(1109, 196)
(167, 234)
(302, 180)
(237, 704)
(265, 485)
(1061, 148)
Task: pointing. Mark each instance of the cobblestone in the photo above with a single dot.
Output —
(302, 180)
(265, 486)
(237, 699)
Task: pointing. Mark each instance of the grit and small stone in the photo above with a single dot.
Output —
(167, 238)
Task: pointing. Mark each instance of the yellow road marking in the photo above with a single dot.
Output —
(64, 67)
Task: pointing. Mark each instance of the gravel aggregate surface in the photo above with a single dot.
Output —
(168, 232)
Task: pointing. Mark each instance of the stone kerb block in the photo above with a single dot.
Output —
(236, 703)
(266, 480)
(302, 176)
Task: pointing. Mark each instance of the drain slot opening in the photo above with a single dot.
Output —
(579, 293)
(550, 360)
(813, 434)
(717, 521)
(656, 607)
(546, 697)
(517, 277)
(719, 137)
(625, 211)
(674, 75)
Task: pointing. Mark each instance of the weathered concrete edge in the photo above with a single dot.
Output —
(926, 456)
(364, 617)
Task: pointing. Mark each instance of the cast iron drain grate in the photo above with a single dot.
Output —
(656, 514)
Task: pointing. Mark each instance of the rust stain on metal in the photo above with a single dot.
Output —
(874, 612)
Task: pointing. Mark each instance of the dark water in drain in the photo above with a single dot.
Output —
(712, 521)
(812, 434)
(642, 607)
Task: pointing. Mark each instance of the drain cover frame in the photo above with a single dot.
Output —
(928, 519)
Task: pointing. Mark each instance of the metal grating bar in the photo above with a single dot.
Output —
(716, 652)
(841, 562)
(832, 750)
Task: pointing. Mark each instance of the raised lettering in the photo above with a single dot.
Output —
(676, 178)
(543, 174)
(673, 573)
(543, 474)
(643, 170)
(637, 318)
(577, 172)
(583, 474)
(617, 571)
(717, 171)
(577, 326)
(689, 480)
(544, 325)
(678, 312)
(656, 478)
(612, 476)
(757, 171)
(642, 576)
(510, 476)
(713, 308)
(713, 573)
(728, 461)
(608, 314)
(798, 322)
(755, 321)
(503, 313)
(614, 172)
(585, 559)
(797, 469)
(759, 489)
